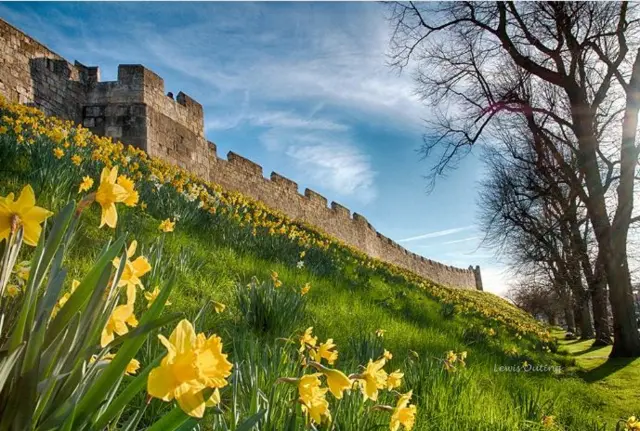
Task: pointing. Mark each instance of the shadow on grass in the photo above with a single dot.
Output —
(587, 350)
(576, 341)
(605, 370)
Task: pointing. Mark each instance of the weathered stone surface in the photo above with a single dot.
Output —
(136, 110)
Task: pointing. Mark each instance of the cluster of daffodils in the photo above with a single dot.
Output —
(371, 379)
(123, 315)
(453, 360)
(81, 149)
(20, 276)
(195, 368)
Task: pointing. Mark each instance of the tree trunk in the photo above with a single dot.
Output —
(577, 316)
(569, 317)
(586, 326)
(612, 236)
(625, 325)
(599, 301)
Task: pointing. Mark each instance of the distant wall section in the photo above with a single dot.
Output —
(243, 175)
(136, 110)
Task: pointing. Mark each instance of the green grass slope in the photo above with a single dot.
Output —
(217, 254)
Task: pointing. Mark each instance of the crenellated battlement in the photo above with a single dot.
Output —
(136, 110)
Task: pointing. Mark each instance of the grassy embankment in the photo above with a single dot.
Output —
(223, 241)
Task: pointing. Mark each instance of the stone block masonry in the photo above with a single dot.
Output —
(136, 110)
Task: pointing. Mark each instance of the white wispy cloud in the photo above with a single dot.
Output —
(457, 241)
(274, 119)
(327, 158)
(437, 234)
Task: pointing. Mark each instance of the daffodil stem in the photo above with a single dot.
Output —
(12, 248)
(173, 420)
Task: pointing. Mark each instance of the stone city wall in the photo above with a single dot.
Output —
(136, 110)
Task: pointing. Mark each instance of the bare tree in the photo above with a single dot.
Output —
(537, 296)
(580, 63)
(523, 217)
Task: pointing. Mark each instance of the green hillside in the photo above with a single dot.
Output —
(276, 278)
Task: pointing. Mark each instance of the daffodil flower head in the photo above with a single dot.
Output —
(337, 381)
(394, 380)
(86, 184)
(133, 269)
(548, 421)
(119, 322)
(307, 339)
(632, 424)
(132, 367)
(167, 225)
(132, 195)
(325, 351)
(193, 363)
(374, 377)
(313, 397)
(152, 296)
(404, 414)
(305, 289)
(22, 213)
(108, 194)
(219, 307)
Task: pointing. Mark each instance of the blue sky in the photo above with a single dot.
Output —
(302, 89)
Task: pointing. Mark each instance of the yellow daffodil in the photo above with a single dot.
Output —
(461, 357)
(64, 298)
(58, 153)
(394, 380)
(387, 355)
(305, 289)
(167, 225)
(313, 397)
(86, 184)
(132, 195)
(193, 363)
(324, 351)
(22, 270)
(372, 379)
(214, 399)
(117, 324)
(143, 205)
(632, 424)
(11, 291)
(132, 367)
(404, 414)
(380, 332)
(76, 159)
(337, 381)
(108, 194)
(152, 296)
(133, 269)
(22, 213)
(219, 307)
(276, 281)
(307, 339)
